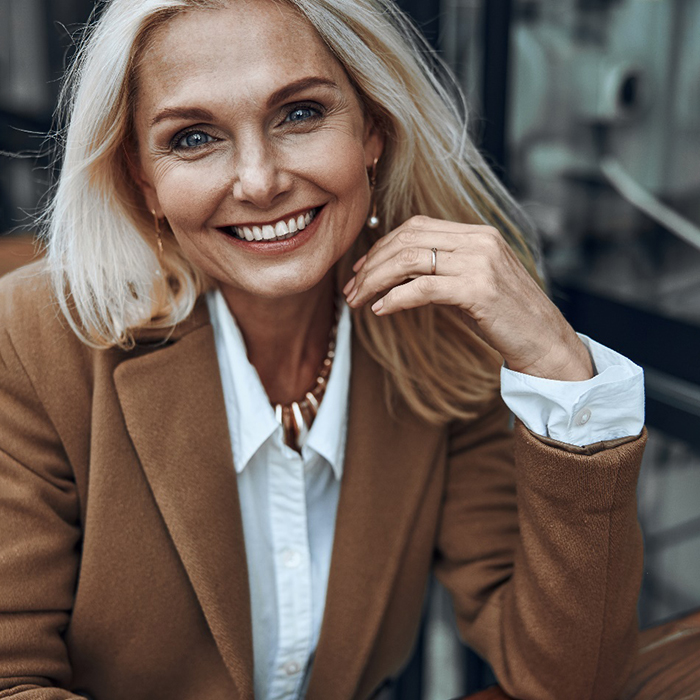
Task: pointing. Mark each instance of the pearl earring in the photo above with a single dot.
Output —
(373, 220)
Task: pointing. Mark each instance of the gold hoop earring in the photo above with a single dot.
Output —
(156, 221)
(373, 220)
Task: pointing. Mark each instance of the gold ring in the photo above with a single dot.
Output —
(434, 265)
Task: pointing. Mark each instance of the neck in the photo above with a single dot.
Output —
(286, 339)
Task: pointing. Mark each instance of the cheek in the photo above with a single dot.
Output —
(338, 167)
(190, 193)
(340, 161)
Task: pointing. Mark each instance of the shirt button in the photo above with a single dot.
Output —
(291, 558)
(291, 667)
(582, 417)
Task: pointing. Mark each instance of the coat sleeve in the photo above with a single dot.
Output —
(540, 548)
(39, 540)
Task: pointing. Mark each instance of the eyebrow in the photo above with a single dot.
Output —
(189, 113)
(201, 114)
(297, 86)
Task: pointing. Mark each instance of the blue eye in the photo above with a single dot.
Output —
(300, 114)
(193, 139)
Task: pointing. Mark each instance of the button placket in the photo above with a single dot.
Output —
(290, 541)
(291, 668)
(291, 558)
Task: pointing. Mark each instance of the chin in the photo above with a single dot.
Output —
(279, 286)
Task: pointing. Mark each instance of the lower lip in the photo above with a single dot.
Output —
(277, 247)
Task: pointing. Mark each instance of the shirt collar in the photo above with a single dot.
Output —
(251, 417)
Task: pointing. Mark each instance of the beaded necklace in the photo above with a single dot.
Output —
(297, 417)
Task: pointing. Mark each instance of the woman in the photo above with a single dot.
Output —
(192, 420)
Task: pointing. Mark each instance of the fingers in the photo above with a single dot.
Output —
(409, 255)
(359, 263)
(425, 223)
(417, 226)
(443, 235)
(407, 264)
(419, 292)
(463, 252)
(410, 239)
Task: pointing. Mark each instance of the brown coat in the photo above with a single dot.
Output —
(122, 564)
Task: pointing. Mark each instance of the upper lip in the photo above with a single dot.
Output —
(270, 222)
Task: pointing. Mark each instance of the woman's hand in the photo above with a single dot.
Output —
(478, 273)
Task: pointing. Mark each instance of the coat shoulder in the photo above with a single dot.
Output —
(28, 306)
(33, 329)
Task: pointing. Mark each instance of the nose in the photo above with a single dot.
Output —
(259, 179)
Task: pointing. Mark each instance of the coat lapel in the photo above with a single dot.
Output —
(387, 464)
(173, 405)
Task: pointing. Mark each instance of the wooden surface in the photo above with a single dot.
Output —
(16, 251)
(668, 665)
(667, 668)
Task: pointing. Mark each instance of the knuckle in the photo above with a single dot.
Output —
(408, 256)
(491, 240)
(419, 220)
(427, 284)
(390, 297)
(406, 237)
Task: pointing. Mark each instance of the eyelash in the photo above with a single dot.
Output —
(182, 135)
(311, 106)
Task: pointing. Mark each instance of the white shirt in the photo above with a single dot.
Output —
(288, 505)
(289, 501)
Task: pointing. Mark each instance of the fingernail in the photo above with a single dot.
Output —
(359, 263)
(377, 306)
(353, 294)
(349, 286)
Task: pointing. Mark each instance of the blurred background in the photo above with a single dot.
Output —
(589, 110)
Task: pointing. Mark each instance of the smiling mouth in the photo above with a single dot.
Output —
(276, 231)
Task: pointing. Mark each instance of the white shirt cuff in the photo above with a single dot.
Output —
(606, 407)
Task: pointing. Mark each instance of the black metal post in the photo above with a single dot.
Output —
(497, 18)
(426, 14)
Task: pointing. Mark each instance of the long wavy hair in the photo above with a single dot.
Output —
(101, 244)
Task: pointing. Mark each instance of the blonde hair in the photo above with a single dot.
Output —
(101, 242)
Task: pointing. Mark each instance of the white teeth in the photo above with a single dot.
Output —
(279, 231)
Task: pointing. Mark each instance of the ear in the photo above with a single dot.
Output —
(140, 177)
(373, 143)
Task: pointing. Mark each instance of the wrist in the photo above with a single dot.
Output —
(573, 364)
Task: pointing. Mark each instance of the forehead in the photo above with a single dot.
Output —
(246, 49)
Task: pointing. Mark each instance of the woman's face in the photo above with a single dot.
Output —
(247, 126)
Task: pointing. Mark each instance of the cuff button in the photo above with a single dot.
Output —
(582, 417)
